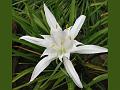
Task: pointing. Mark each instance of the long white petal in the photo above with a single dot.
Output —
(72, 72)
(49, 52)
(77, 43)
(89, 49)
(45, 36)
(77, 26)
(41, 66)
(50, 40)
(46, 52)
(51, 19)
(34, 40)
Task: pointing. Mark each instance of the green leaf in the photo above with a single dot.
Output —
(88, 88)
(95, 67)
(37, 86)
(99, 23)
(72, 12)
(97, 35)
(51, 76)
(39, 23)
(70, 83)
(58, 75)
(23, 73)
(23, 22)
(27, 56)
(96, 10)
(58, 81)
(98, 79)
(58, 86)
(33, 24)
(98, 3)
(39, 79)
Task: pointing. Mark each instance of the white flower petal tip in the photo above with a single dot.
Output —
(23, 37)
(45, 6)
(104, 50)
(83, 17)
(27, 38)
(30, 80)
(60, 58)
(34, 40)
(89, 49)
(41, 66)
(77, 26)
(72, 72)
(80, 86)
(51, 19)
(45, 36)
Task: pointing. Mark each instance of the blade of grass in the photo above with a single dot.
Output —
(98, 79)
(59, 80)
(70, 84)
(52, 74)
(23, 73)
(39, 23)
(95, 67)
(72, 12)
(96, 35)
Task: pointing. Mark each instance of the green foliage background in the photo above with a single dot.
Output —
(29, 19)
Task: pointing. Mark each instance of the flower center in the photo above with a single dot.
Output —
(62, 50)
(61, 42)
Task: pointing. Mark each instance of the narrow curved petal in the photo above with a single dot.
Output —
(89, 49)
(41, 66)
(49, 52)
(45, 36)
(51, 19)
(77, 26)
(60, 58)
(34, 40)
(72, 72)
(46, 52)
(77, 43)
(50, 40)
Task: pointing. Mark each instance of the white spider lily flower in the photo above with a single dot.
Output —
(59, 44)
